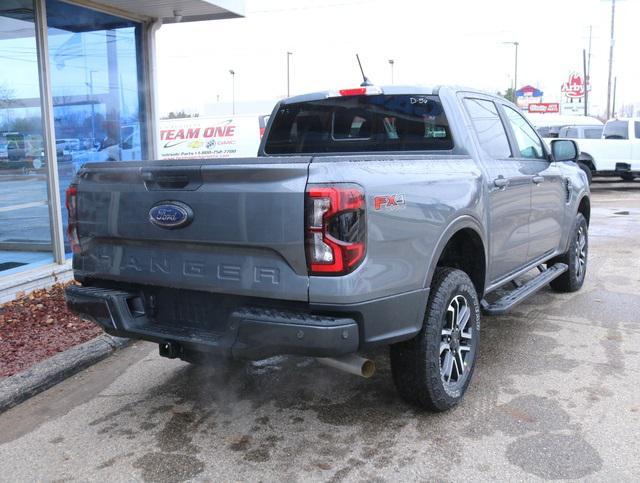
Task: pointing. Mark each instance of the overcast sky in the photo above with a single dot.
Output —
(431, 42)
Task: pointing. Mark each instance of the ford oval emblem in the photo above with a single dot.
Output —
(170, 215)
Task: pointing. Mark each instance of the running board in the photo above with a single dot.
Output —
(524, 291)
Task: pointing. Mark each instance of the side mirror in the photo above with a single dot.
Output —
(564, 150)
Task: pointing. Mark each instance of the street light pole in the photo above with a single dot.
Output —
(586, 82)
(613, 16)
(515, 73)
(93, 109)
(233, 91)
(289, 54)
(391, 63)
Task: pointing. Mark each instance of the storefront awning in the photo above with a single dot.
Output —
(171, 11)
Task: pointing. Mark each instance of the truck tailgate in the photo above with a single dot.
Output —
(245, 237)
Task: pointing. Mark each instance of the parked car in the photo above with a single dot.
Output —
(63, 150)
(617, 153)
(69, 144)
(549, 125)
(16, 149)
(581, 132)
(371, 216)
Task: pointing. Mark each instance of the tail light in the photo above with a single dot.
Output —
(335, 228)
(72, 209)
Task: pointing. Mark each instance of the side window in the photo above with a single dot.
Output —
(596, 133)
(637, 128)
(488, 125)
(529, 143)
(572, 132)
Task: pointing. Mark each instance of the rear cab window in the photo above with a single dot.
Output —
(362, 123)
(616, 130)
(488, 126)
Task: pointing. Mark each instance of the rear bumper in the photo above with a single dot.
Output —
(245, 332)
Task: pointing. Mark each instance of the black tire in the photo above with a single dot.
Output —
(627, 176)
(587, 171)
(575, 258)
(419, 365)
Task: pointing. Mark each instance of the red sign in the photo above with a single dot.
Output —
(544, 107)
(574, 87)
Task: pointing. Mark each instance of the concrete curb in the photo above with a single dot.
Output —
(55, 369)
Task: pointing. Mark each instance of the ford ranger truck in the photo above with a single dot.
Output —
(373, 216)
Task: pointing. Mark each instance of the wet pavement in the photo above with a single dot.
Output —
(556, 395)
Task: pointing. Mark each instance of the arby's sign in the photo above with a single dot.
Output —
(574, 87)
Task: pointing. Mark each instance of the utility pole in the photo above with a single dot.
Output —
(391, 63)
(233, 91)
(289, 54)
(585, 76)
(589, 53)
(612, 41)
(615, 86)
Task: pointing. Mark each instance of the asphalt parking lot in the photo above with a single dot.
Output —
(556, 395)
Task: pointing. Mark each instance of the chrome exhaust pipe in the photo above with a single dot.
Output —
(351, 363)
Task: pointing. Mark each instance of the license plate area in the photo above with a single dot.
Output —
(187, 309)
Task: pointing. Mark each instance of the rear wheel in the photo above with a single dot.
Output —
(434, 369)
(575, 258)
(627, 176)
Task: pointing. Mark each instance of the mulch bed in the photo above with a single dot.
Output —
(38, 326)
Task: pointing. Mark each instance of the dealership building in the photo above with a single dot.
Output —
(77, 84)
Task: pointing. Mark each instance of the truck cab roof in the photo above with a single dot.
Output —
(385, 90)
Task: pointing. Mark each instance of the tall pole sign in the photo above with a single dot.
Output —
(612, 41)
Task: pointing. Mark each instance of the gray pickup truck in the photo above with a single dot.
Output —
(371, 216)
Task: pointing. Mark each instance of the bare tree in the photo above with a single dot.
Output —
(6, 95)
(180, 115)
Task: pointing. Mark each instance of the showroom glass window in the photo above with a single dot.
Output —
(96, 81)
(25, 230)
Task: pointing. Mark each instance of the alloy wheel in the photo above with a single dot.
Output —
(456, 349)
(581, 252)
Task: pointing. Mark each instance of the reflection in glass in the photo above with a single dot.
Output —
(25, 231)
(95, 81)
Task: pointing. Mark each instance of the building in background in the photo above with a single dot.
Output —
(528, 95)
(76, 85)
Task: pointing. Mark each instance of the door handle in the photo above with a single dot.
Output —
(500, 182)
(538, 179)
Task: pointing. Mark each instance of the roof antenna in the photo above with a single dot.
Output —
(365, 81)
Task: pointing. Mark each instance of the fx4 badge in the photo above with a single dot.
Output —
(389, 202)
